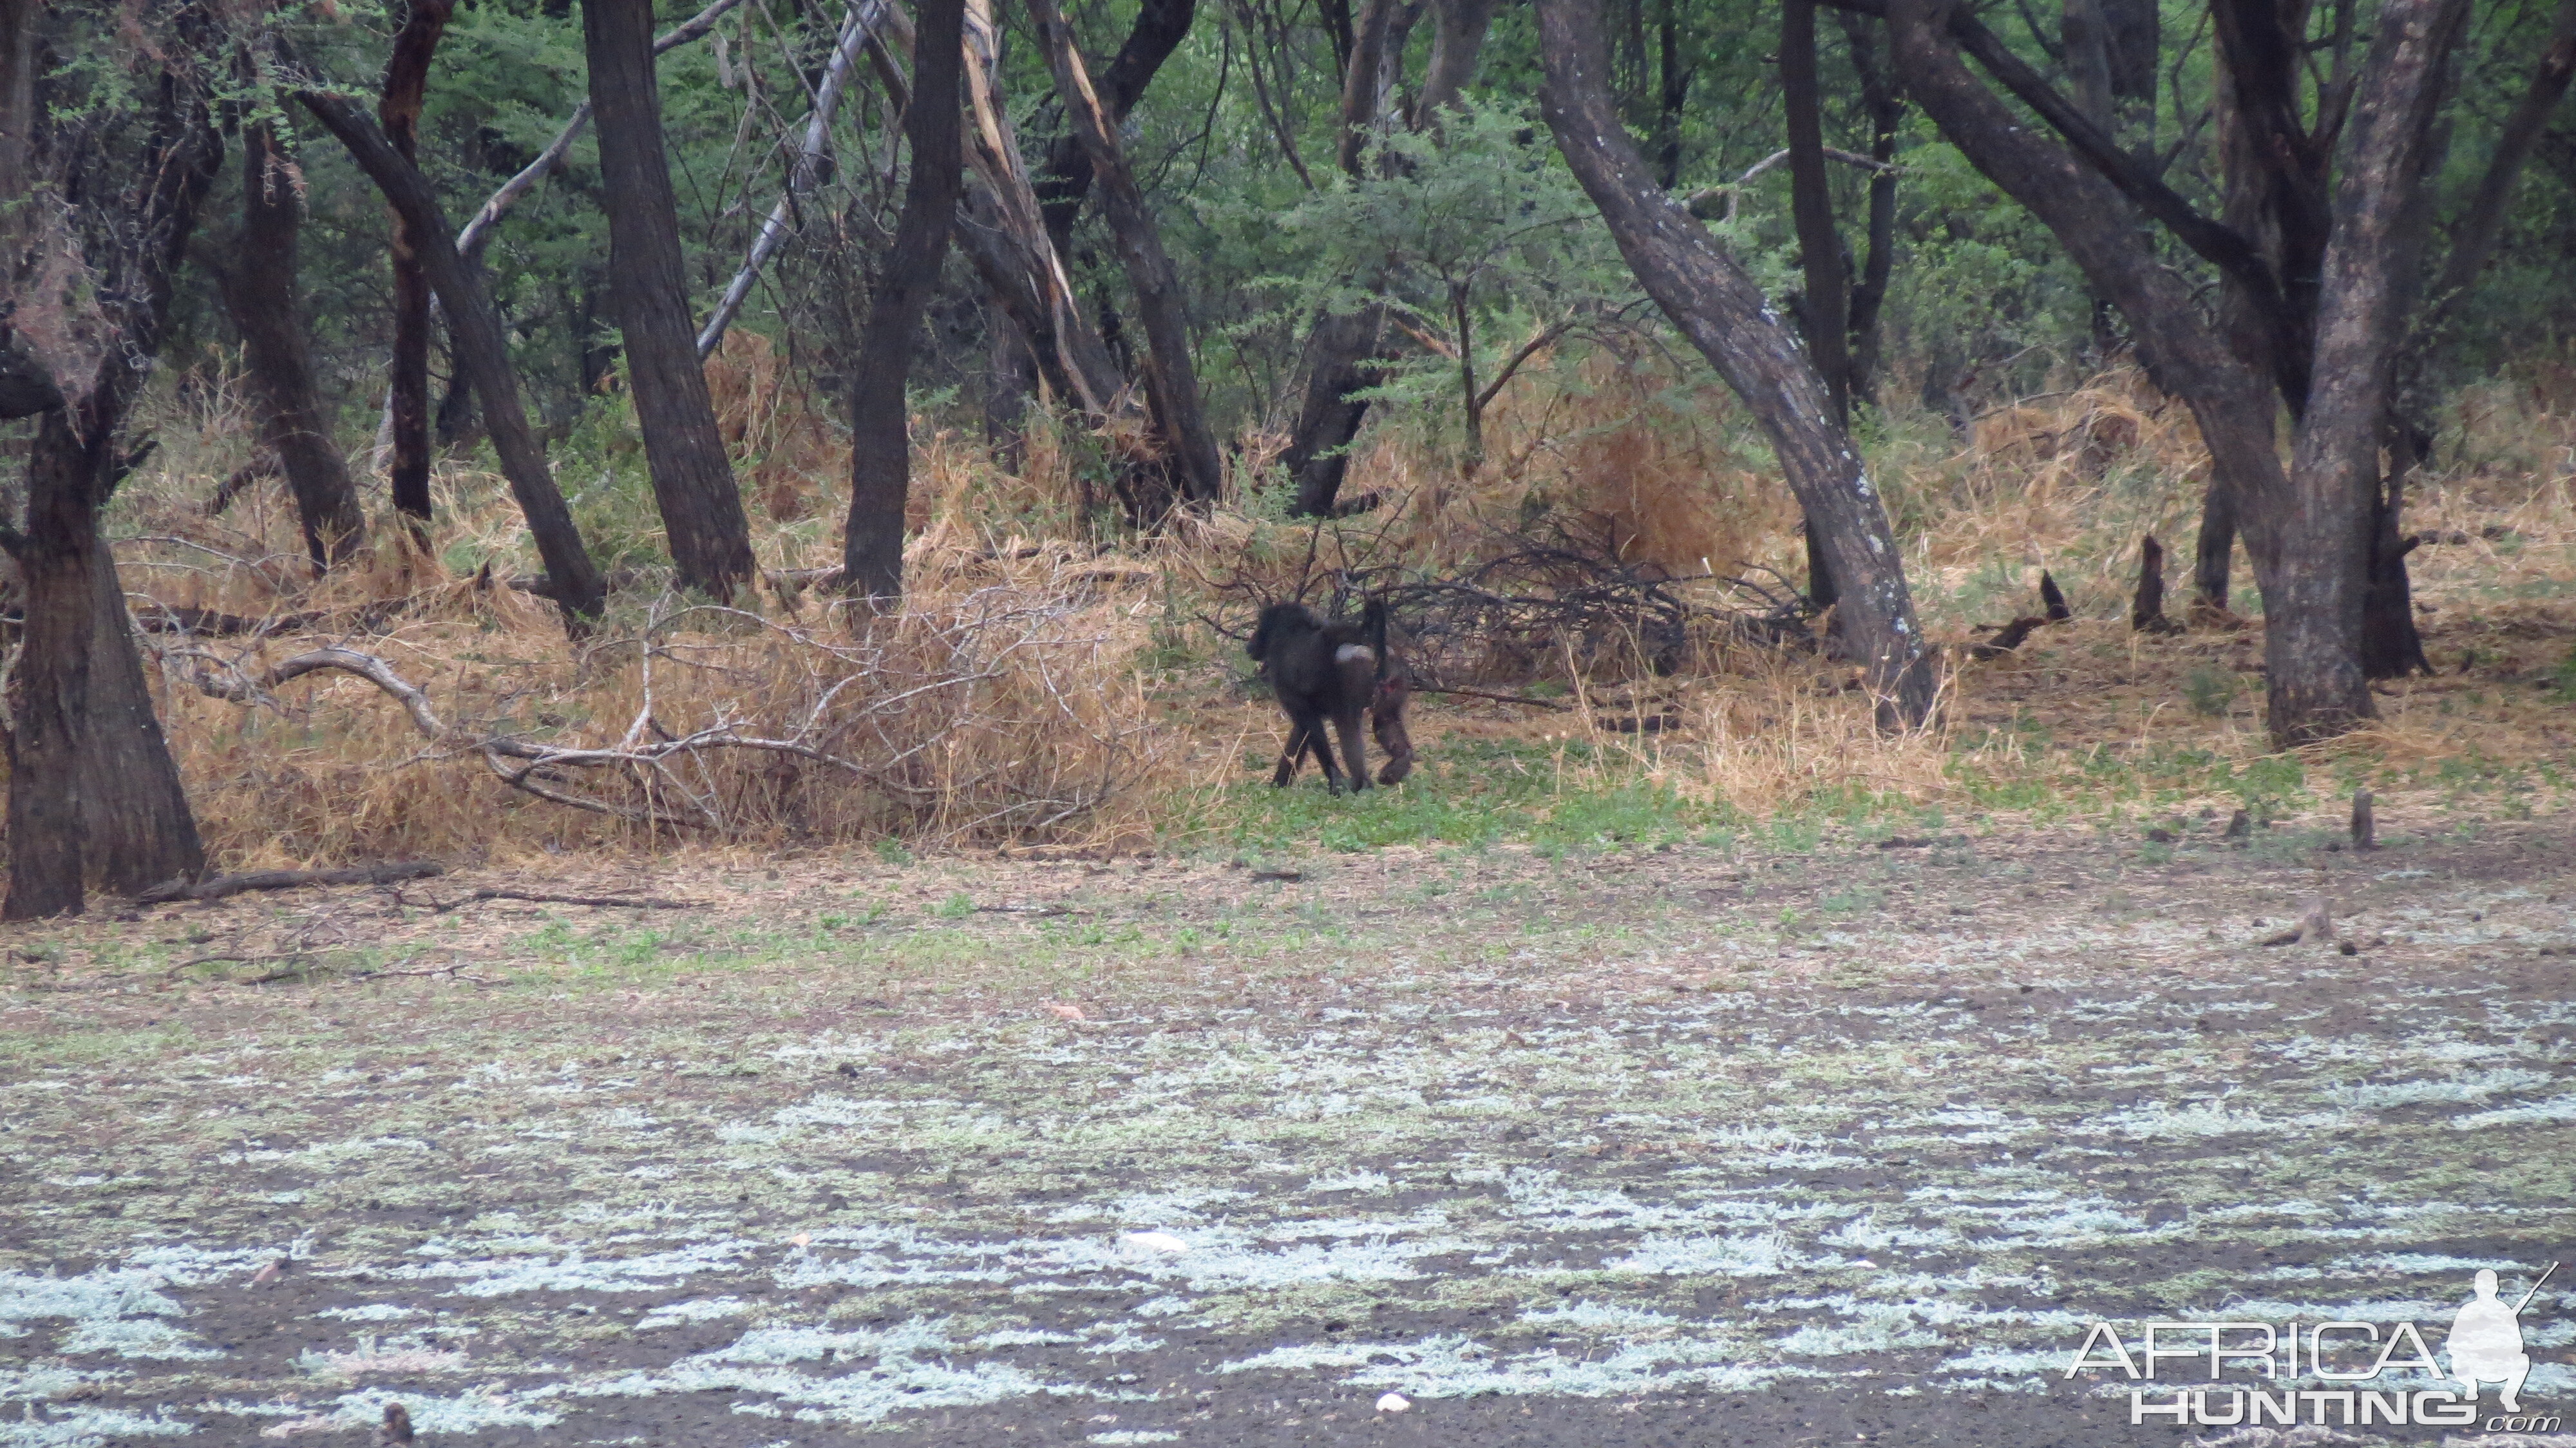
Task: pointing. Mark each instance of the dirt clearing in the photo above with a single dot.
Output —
(1660, 1147)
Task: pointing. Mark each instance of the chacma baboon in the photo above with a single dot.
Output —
(1334, 671)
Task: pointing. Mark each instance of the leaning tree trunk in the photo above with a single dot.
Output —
(1171, 380)
(1726, 316)
(880, 435)
(259, 291)
(1161, 26)
(406, 86)
(482, 355)
(693, 480)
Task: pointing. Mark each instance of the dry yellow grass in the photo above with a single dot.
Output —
(1052, 668)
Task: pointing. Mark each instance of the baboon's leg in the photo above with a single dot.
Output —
(1300, 731)
(1386, 721)
(1354, 752)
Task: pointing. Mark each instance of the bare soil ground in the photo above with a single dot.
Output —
(1660, 1147)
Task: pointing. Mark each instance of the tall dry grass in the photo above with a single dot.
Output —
(1049, 680)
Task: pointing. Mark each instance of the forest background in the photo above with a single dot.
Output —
(1338, 320)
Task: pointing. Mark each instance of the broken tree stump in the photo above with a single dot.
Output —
(2147, 609)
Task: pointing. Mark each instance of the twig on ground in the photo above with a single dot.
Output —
(546, 897)
(1498, 698)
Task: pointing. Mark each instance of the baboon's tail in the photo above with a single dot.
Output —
(1373, 627)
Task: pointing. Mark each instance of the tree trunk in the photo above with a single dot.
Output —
(1171, 379)
(1726, 316)
(482, 355)
(1339, 362)
(880, 440)
(693, 483)
(1676, 79)
(406, 84)
(1339, 359)
(2332, 545)
(1886, 112)
(259, 290)
(2214, 554)
(1161, 26)
(1820, 251)
(1003, 230)
(94, 798)
(96, 801)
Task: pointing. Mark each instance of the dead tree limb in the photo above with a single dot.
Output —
(541, 897)
(221, 886)
(2052, 600)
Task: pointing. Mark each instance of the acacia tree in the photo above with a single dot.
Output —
(1339, 362)
(121, 165)
(1723, 312)
(693, 481)
(2308, 527)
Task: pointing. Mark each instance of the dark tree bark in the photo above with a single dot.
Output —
(1820, 250)
(1676, 93)
(94, 798)
(693, 483)
(26, 388)
(260, 291)
(2134, 32)
(1161, 26)
(398, 106)
(2334, 539)
(1886, 112)
(1171, 380)
(880, 439)
(1726, 317)
(482, 355)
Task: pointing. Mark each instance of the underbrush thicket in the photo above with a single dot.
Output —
(1057, 678)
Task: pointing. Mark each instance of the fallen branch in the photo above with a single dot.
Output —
(541, 897)
(2012, 636)
(294, 965)
(222, 886)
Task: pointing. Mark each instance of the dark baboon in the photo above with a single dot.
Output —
(1334, 671)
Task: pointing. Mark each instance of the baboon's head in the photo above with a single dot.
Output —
(1277, 622)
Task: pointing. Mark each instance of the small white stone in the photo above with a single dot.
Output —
(1394, 1403)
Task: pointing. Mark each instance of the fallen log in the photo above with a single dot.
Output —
(220, 886)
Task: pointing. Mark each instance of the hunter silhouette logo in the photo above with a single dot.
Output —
(2486, 1341)
(2365, 1373)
